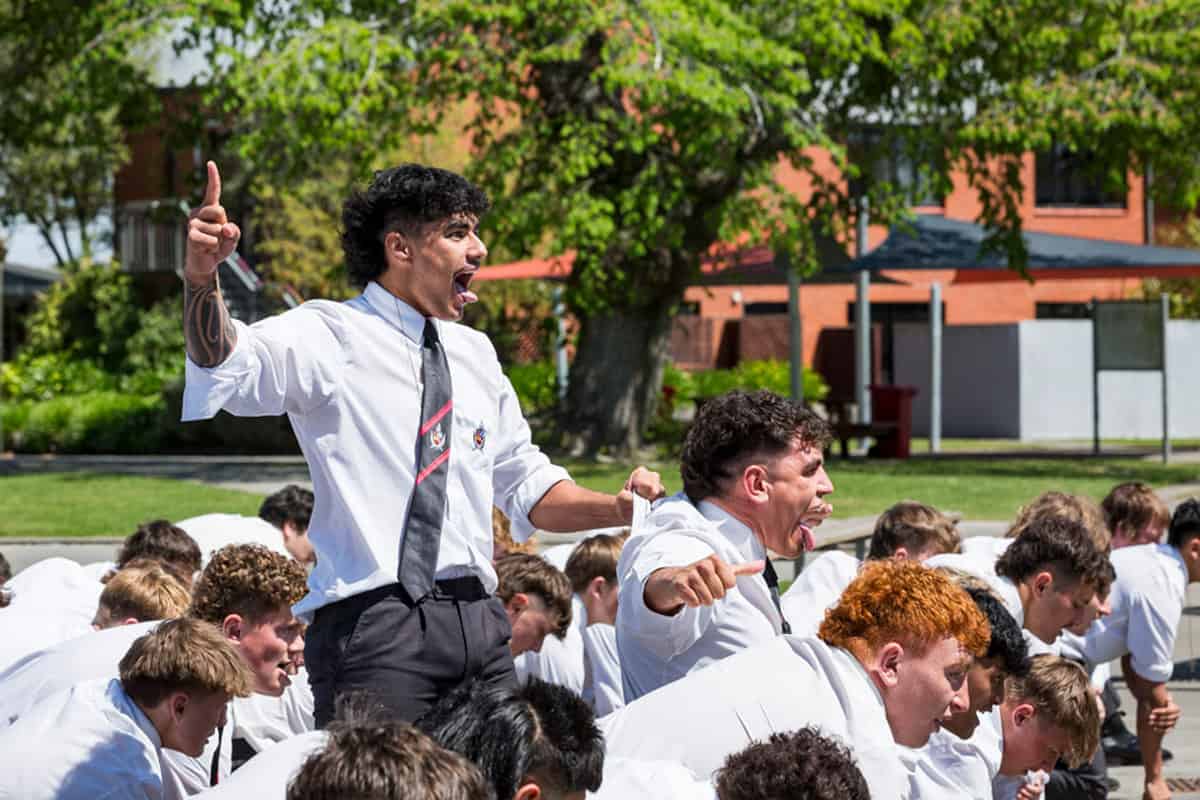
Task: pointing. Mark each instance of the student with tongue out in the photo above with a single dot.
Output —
(411, 432)
(695, 582)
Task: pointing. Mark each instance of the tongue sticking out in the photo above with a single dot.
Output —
(461, 282)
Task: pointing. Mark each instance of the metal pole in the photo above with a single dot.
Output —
(795, 334)
(3, 258)
(1148, 205)
(1165, 299)
(560, 356)
(935, 368)
(1095, 380)
(862, 321)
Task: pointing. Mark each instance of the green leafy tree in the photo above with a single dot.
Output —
(639, 138)
(74, 80)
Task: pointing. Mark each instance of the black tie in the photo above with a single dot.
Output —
(773, 584)
(423, 529)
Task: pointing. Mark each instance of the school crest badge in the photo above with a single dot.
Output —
(437, 439)
(479, 438)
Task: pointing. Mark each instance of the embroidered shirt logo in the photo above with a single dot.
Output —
(479, 438)
(437, 439)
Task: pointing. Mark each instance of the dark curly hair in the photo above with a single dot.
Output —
(248, 580)
(802, 765)
(1060, 544)
(402, 198)
(731, 429)
(1185, 523)
(1007, 645)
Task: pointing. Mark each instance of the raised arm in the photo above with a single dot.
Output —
(207, 326)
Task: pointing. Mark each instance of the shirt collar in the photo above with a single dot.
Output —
(396, 311)
(733, 529)
(122, 700)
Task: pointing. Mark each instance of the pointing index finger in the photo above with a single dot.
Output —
(212, 192)
(749, 567)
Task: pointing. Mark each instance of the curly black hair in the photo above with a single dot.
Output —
(1007, 645)
(1185, 523)
(401, 199)
(802, 765)
(739, 425)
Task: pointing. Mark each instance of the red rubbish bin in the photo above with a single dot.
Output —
(893, 404)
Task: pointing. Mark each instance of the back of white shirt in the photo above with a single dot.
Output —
(628, 779)
(267, 775)
(214, 531)
(950, 767)
(779, 686)
(817, 589)
(89, 741)
(985, 547)
(88, 657)
(603, 686)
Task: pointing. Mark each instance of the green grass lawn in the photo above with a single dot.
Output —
(90, 504)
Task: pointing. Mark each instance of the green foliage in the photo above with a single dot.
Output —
(771, 374)
(74, 80)
(90, 314)
(100, 422)
(518, 317)
(536, 385)
(43, 377)
(154, 352)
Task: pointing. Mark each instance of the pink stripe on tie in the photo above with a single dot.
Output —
(437, 417)
(437, 462)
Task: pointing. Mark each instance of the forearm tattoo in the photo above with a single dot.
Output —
(207, 326)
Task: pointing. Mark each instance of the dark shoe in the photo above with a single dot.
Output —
(1111, 784)
(1124, 750)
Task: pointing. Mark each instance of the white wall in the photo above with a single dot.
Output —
(1033, 380)
(980, 383)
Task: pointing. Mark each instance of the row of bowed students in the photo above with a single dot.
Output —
(938, 667)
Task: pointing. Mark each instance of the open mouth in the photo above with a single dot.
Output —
(462, 285)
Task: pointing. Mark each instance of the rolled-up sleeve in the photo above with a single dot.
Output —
(285, 364)
(522, 474)
(663, 635)
(1152, 628)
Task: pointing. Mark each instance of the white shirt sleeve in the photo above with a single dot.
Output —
(666, 636)
(288, 363)
(608, 690)
(521, 473)
(1152, 628)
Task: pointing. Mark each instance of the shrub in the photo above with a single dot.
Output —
(42, 377)
(771, 374)
(102, 422)
(536, 386)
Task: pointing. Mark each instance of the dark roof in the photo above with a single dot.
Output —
(760, 266)
(934, 242)
(25, 281)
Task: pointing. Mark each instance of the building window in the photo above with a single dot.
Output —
(1068, 179)
(905, 166)
(755, 309)
(1063, 311)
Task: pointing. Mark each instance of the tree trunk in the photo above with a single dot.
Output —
(616, 378)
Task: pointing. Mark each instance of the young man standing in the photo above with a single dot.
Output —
(411, 432)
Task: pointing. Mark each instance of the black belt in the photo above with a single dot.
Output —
(467, 589)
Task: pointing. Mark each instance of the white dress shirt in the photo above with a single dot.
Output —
(56, 586)
(603, 687)
(25, 629)
(1147, 601)
(211, 532)
(950, 767)
(89, 742)
(985, 546)
(88, 657)
(982, 565)
(657, 649)
(781, 685)
(817, 589)
(267, 775)
(560, 661)
(630, 779)
(348, 375)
